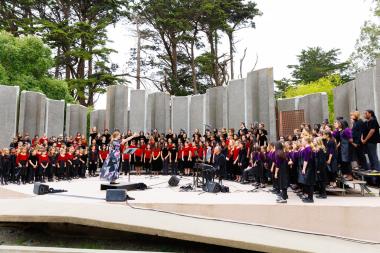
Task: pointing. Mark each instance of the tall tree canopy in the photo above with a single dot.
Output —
(25, 62)
(315, 63)
(367, 47)
(183, 38)
(76, 30)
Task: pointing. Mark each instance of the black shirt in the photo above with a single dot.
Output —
(372, 124)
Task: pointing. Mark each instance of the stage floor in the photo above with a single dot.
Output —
(206, 217)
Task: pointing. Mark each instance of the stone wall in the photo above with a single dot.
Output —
(138, 110)
(315, 106)
(9, 96)
(98, 120)
(159, 111)
(216, 107)
(55, 117)
(198, 113)
(76, 119)
(236, 103)
(32, 113)
(360, 94)
(117, 108)
(181, 113)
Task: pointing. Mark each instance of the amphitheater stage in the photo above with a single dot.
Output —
(243, 219)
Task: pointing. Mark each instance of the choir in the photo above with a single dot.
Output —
(308, 161)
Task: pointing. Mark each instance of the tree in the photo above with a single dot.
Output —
(76, 31)
(240, 16)
(282, 86)
(25, 61)
(315, 63)
(324, 84)
(367, 47)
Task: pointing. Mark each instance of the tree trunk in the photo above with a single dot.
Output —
(57, 64)
(193, 73)
(231, 41)
(138, 56)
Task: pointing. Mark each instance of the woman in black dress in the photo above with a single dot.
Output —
(308, 169)
(320, 165)
(281, 172)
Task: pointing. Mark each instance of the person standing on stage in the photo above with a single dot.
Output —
(110, 169)
(370, 138)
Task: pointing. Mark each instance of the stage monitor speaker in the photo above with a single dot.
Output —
(212, 187)
(174, 181)
(116, 195)
(40, 189)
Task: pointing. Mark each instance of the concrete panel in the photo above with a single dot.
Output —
(76, 119)
(160, 110)
(32, 113)
(181, 113)
(344, 100)
(8, 114)
(260, 102)
(138, 111)
(55, 117)
(117, 107)
(236, 103)
(198, 113)
(315, 106)
(365, 90)
(216, 107)
(377, 86)
(98, 120)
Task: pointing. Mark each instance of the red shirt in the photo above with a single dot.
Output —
(62, 158)
(236, 153)
(200, 152)
(21, 157)
(42, 140)
(186, 151)
(156, 152)
(179, 156)
(103, 154)
(139, 152)
(147, 153)
(70, 156)
(193, 150)
(43, 159)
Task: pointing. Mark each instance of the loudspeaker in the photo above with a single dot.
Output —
(224, 188)
(212, 187)
(116, 195)
(174, 181)
(40, 189)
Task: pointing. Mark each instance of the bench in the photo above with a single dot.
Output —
(336, 190)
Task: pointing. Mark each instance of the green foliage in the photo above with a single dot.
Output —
(315, 63)
(324, 84)
(281, 87)
(367, 47)
(25, 61)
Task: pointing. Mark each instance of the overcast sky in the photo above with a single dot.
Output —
(285, 28)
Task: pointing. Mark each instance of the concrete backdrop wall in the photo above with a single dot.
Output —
(117, 107)
(198, 113)
(9, 96)
(216, 107)
(360, 94)
(76, 119)
(55, 117)
(159, 111)
(315, 106)
(32, 113)
(138, 110)
(236, 103)
(181, 113)
(98, 120)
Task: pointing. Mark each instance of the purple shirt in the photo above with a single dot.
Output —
(307, 154)
(347, 133)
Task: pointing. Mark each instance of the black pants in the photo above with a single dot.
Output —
(284, 193)
(92, 168)
(322, 188)
(309, 190)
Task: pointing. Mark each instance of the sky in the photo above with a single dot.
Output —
(285, 28)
